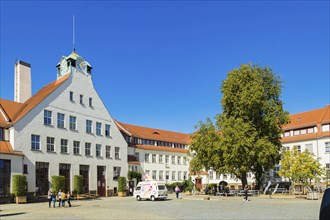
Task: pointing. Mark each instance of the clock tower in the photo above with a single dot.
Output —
(73, 61)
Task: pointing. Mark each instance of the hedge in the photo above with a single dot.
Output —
(58, 182)
(78, 184)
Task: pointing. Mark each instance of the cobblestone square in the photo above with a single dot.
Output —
(190, 207)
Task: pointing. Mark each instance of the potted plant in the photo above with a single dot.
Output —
(19, 188)
(122, 188)
(78, 185)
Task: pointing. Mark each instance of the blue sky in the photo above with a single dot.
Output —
(161, 63)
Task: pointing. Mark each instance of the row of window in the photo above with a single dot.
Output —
(76, 147)
(310, 130)
(159, 158)
(81, 99)
(309, 147)
(154, 143)
(175, 175)
(48, 120)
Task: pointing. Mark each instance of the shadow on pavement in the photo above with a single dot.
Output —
(11, 214)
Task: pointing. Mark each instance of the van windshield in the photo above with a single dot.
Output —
(161, 187)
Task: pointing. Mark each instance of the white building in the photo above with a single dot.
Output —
(310, 131)
(63, 129)
(157, 154)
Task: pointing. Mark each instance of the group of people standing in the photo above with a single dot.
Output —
(62, 197)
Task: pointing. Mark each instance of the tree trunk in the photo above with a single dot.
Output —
(244, 179)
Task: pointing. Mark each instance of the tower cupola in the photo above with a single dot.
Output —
(75, 61)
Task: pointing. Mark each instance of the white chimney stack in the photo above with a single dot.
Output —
(23, 88)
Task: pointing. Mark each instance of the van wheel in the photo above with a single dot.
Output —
(138, 198)
(152, 198)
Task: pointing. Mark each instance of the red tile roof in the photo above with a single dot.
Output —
(154, 134)
(15, 111)
(310, 118)
(161, 148)
(6, 148)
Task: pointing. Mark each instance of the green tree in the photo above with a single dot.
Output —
(247, 134)
(301, 168)
(58, 182)
(78, 184)
(205, 149)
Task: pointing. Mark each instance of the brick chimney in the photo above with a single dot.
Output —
(23, 88)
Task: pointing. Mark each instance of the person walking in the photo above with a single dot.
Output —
(59, 197)
(49, 197)
(63, 197)
(246, 193)
(177, 191)
(68, 198)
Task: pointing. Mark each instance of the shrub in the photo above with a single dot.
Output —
(198, 189)
(122, 184)
(189, 189)
(78, 184)
(58, 182)
(133, 174)
(19, 185)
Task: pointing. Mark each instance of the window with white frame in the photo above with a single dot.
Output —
(167, 159)
(185, 175)
(116, 171)
(137, 156)
(64, 146)
(47, 117)
(160, 158)
(173, 175)
(76, 147)
(173, 159)
(117, 153)
(179, 175)
(298, 148)
(147, 173)
(285, 148)
(98, 128)
(179, 160)
(50, 144)
(35, 142)
(167, 177)
(108, 151)
(73, 122)
(153, 158)
(296, 132)
(146, 158)
(89, 126)
(310, 130)
(184, 160)
(325, 127)
(161, 175)
(211, 175)
(327, 147)
(287, 134)
(60, 120)
(107, 130)
(224, 176)
(88, 149)
(98, 152)
(154, 175)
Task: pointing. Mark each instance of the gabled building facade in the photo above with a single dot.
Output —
(156, 154)
(63, 129)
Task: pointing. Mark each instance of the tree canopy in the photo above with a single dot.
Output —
(247, 134)
(300, 168)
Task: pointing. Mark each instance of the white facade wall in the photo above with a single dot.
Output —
(318, 148)
(59, 102)
(163, 166)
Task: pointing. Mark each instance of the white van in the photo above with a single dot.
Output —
(150, 190)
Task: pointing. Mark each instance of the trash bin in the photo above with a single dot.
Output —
(313, 195)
